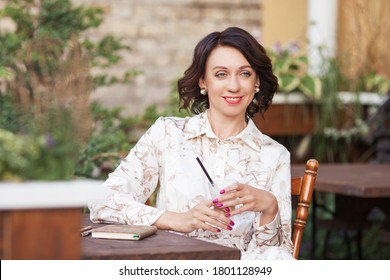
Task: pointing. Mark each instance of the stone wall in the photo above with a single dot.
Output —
(162, 34)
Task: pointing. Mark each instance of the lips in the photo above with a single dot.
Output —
(232, 100)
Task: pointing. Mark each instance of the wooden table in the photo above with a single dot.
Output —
(163, 245)
(361, 180)
(358, 188)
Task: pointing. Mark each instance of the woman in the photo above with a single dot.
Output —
(230, 80)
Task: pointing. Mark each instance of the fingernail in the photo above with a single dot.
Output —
(229, 228)
(231, 223)
(218, 230)
(215, 200)
(222, 191)
(219, 205)
(227, 215)
(227, 209)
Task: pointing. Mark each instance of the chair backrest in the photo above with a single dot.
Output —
(302, 188)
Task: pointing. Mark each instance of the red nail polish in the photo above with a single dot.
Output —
(229, 228)
(218, 230)
(227, 209)
(219, 205)
(222, 191)
(227, 215)
(231, 223)
(215, 200)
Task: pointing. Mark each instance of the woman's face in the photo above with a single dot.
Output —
(229, 81)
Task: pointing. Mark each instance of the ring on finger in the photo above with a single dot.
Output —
(239, 202)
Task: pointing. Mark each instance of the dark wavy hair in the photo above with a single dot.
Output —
(189, 91)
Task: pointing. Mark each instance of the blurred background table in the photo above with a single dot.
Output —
(358, 189)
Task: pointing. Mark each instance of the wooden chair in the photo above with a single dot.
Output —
(302, 188)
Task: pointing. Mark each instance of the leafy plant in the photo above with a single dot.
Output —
(376, 83)
(50, 106)
(291, 67)
(114, 135)
(16, 153)
(61, 23)
(339, 126)
(45, 83)
(111, 140)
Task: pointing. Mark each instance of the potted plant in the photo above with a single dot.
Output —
(328, 106)
(291, 112)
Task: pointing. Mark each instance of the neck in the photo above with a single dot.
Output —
(225, 126)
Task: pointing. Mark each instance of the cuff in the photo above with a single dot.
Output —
(268, 234)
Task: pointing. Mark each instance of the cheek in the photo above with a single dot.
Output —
(216, 87)
(251, 92)
(250, 98)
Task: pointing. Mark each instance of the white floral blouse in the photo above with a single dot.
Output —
(165, 158)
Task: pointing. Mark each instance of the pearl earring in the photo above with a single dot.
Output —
(203, 91)
(257, 89)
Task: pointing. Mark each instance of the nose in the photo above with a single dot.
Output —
(234, 84)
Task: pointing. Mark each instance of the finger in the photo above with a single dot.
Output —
(208, 203)
(230, 192)
(207, 217)
(218, 204)
(229, 206)
(231, 195)
(208, 227)
(232, 187)
(208, 208)
(238, 205)
(242, 207)
(239, 211)
(221, 215)
(211, 221)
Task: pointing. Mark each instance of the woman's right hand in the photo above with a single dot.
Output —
(201, 216)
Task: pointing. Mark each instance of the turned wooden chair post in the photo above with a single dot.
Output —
(303, 188)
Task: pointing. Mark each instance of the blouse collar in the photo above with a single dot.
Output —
(199, 125)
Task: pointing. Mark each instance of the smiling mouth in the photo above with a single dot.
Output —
(233, 100)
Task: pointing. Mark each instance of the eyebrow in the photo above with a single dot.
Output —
(224, 67)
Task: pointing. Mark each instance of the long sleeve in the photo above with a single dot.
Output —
(132, 183)
(278, 232)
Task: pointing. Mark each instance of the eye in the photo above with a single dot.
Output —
(246, 74)
(220, 74)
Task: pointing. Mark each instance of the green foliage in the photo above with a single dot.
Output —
(340, 126)
(58, 21)
(115, 135)
(290, 65)
(111, 140)
(46, 62)
(311, 86)
(35, 156)
(376, 83)
(4, 72)
(16, 153)
(7, 113)
(45, 82)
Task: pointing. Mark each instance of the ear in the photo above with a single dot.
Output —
(202, 83)
(257, 82)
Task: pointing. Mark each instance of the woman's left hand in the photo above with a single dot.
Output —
(249, 198)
